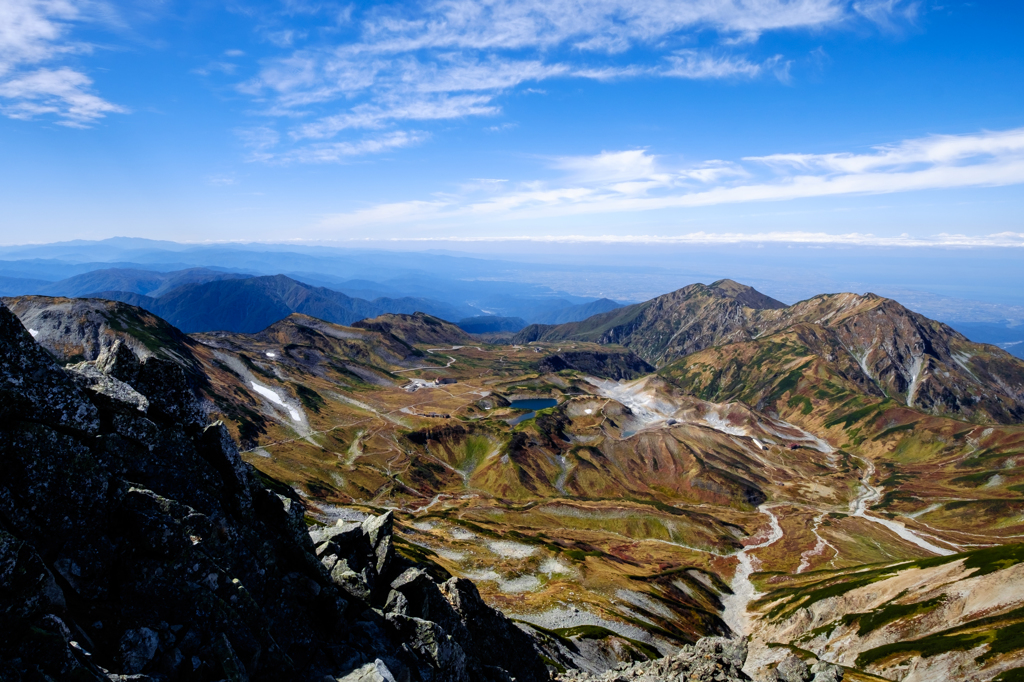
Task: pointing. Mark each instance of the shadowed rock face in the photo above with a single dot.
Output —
(135, 541)
(416, 328)
(617, 366)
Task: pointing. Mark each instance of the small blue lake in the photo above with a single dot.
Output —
(534, 404)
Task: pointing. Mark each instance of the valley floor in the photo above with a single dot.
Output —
(631, 515)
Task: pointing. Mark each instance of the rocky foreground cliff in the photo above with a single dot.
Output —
(136, 544)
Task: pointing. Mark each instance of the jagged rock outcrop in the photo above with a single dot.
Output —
(136, 544)
(711, 659)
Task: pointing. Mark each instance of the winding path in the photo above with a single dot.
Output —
(869, 494)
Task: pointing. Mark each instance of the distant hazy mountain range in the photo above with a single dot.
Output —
(488, 324)
(254, 303)
(473, 286)
(402, 291)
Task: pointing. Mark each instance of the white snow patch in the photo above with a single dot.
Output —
(33, 332)
(588, 411)
(449, 554)
(686, 589)
(511, 550)
(524, 583)
(271, 395)
(553, 566)
(641, 400)
(517, 585)
(716, 422)
(644, 602)
(571, 616)
(461, 533)
(996, 480)
(921, 512)
(915, 374)
(271, 354)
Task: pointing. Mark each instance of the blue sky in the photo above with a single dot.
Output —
(878, 122)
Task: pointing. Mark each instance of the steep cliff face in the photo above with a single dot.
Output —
(136, 544)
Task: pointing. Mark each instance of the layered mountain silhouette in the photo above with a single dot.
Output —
(252, 304)
(134, 281)
(575, 313)
(487, 324)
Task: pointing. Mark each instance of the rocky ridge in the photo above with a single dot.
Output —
(136, 544)
(416, 328)
(711, 659)
(885, 349)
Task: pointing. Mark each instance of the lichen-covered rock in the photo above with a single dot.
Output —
(32, 388)
(135, 544)
(711, 659)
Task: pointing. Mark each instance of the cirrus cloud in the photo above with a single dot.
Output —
(34, 33)
(635, 180)
(407, 63)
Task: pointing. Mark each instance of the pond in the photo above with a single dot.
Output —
(534, 404)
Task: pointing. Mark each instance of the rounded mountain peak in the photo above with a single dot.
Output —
(747, 295)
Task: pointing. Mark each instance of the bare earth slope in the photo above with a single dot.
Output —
(417, 328)
(955, 617)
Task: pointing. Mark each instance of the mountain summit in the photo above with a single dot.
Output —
(669, 326)
(866, 340)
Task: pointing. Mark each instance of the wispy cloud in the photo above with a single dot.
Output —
(451, 59)
(376, 115)
(262, 142)
(636, 180)
(998, 240)
(223, 180)
(34, 34)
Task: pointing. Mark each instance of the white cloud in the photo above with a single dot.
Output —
(261, 142)
(1001, 239)
(33, 33)
(221, 180)
(600, 25)
(635, 180)
(449, 59)
(63, 92)
(695, 64)
(418, 109)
